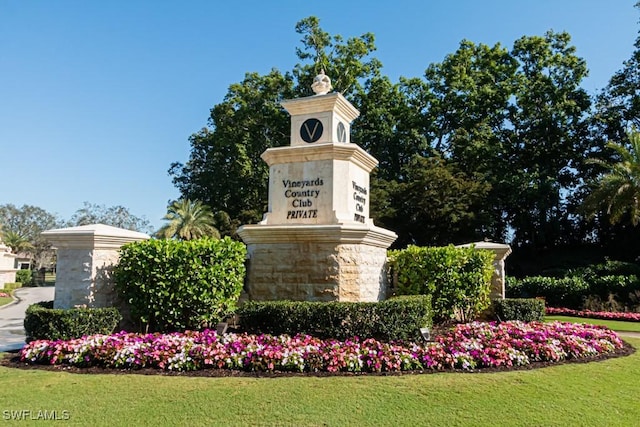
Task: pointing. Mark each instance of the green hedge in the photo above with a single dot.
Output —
(25, 277)
(572, 291)
(12, 286)
(564, 292)
(394, 319)
(608, 268)
(524, 309)
(43, 322)
(458, 279)
(172, 285)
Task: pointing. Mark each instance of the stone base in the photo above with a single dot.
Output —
(316, 263)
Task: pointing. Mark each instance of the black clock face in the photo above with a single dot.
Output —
(311, 130)
(342, 133)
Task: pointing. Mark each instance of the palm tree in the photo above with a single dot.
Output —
(16, 242)
(188, 220)
(619, 187)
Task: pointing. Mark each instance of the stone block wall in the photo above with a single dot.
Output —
(316, 271)
(86, 278)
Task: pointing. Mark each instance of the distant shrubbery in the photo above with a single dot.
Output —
(25, 277)
(610, 286)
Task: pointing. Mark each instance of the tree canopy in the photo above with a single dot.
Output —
(115, 216)
(490, 143)
(26, 223)
(187, 220)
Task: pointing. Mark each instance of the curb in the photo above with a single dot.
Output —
(16, 300)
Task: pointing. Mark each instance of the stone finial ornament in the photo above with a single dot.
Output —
(321, 84)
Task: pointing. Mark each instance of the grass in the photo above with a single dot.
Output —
(616, 325)
(586, 394)
(49, 279)
(5, 300)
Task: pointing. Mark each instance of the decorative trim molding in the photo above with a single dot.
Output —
(327, 151)
(337, 234)
(321, 103)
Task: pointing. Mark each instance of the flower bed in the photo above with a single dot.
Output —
(4, 295)
(632, 317)
(467, 347)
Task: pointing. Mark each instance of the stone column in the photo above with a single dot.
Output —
(501, 252)
(86, 256)
(7, 267)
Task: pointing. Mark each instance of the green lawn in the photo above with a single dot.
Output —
(616, 325)
(591, 394)
(5, 300)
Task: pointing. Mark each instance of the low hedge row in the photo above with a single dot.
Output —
(394, 319)
(524, 309)
(42, 321)
(572, 291)
(12, 286)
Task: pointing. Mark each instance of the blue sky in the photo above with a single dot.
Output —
(98, 98)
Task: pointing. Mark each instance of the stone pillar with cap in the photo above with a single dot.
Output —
(316, 241)
(500, 253)
(86, 256)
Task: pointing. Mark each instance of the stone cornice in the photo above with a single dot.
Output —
(327, 151)
(94, 236)
(500, 249)
(336, 234)
(321, 103)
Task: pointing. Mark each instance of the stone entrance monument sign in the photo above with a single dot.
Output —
(316, 241)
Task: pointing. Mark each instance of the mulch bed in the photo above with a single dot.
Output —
(12, 360)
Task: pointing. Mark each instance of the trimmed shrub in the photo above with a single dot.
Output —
(394, 319)
(621, 286)
(609, 268)
(43, 322)
(458, 279)
(172, 285)
(12, 286)
(25, 277)
(524, 309)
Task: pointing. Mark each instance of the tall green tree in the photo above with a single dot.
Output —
(16, 242)
(437, 204)
(549, 140)
(618, 187)
(225, 170)
(617, 109)
(517, 118)
(188, 220)
(115, 216)
(618, 105)
(29, 222)
(469, 95)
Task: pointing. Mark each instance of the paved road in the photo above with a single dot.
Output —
(12, 316)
